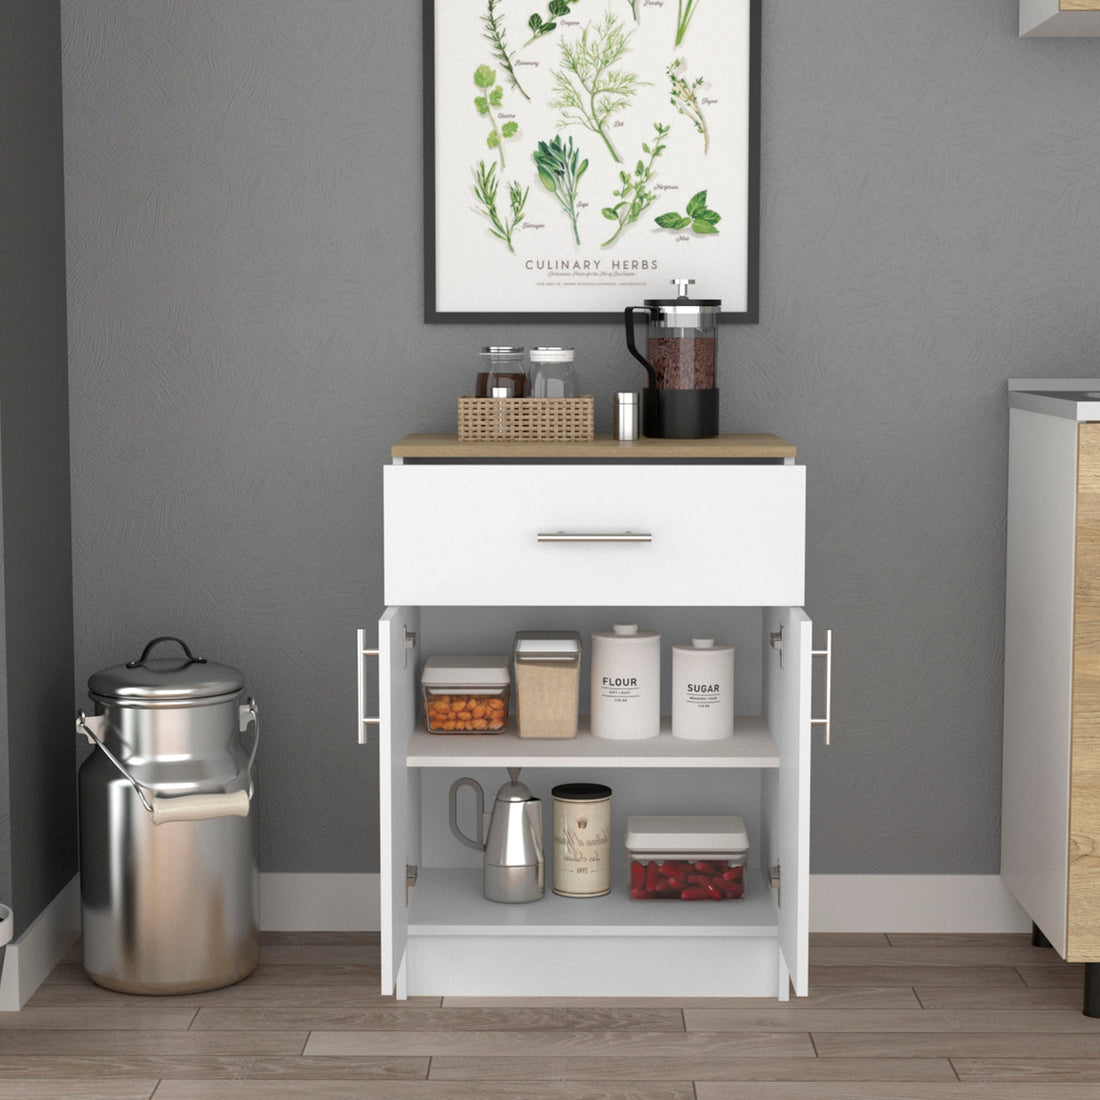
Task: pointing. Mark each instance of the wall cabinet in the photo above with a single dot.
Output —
(686, 537)
(1059, 18)
(1050, 831)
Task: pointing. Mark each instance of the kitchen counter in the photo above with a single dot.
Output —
(1069, 398)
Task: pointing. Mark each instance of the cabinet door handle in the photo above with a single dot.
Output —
(827, 720)
(364, 719)
(582, 536)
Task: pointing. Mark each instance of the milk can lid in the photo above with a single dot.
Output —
(157, 678)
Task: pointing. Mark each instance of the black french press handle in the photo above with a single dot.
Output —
(628, 316)
(165, 638)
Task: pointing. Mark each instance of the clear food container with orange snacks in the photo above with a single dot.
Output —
(466, 694)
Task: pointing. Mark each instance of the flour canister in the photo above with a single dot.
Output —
(702, 690)
(582, 840)
(626, 683)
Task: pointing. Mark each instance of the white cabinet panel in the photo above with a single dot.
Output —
(787, 693)
(711, 535)
(398, 786)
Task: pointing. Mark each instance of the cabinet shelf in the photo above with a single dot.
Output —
(751, 746)
(448, 902)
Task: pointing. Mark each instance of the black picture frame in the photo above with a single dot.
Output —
(439, 280)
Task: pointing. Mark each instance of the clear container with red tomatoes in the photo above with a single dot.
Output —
(690, 858)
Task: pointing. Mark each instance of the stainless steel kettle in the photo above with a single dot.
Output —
(510, 838)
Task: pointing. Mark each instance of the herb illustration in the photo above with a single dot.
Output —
(683, 18)
(556, 9)
(560, 173)
(633, 9)
(588, 90)
(494, 34)
(486, 79)
(685, 101)
(485, 187)
(698, 216)
(634, 195)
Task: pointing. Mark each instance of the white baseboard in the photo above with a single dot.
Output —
(319, 903)
(29, 959)
(350, 903)
(914, 903)
(838, 903)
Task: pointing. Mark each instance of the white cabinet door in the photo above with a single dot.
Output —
(787, 700)
(599, 535)
(398, 794)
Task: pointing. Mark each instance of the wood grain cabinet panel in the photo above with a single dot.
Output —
(1083, 908)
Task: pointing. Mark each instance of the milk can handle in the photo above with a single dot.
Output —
(165, 638)
(190, 807)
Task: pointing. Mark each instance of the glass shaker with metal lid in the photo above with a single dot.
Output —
(681, 398)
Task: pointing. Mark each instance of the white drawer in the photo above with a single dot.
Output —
(709, 535)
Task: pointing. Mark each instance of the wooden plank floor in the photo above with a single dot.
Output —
(890, 1017)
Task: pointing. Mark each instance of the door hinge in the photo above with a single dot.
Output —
(775, 640)
(775, 876)
(410, 880)
(410, 643)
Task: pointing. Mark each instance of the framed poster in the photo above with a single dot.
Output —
(582, 154)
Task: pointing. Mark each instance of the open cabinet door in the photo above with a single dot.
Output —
(788, 662)
(398, 791)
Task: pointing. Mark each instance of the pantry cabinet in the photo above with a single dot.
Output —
(1050, 831)
(687, 537)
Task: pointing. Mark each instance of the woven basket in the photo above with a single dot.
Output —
(526, 418)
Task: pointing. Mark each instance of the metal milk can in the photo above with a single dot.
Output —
(168, 863)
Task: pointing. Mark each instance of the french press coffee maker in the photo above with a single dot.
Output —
(681, 399)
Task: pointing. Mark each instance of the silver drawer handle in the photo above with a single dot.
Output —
(579, 536)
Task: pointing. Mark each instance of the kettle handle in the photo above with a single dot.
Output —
(479, 844)
(628, 317)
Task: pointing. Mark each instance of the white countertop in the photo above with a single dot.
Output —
(1070, 398)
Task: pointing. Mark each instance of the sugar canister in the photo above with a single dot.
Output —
(702, 690)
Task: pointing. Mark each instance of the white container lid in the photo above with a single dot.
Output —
(551, 355)
(701, 835)
(626, 633)
(702, 644)
(465, 672)
(547, 644)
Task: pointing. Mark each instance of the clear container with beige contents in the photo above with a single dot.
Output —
(547, 673)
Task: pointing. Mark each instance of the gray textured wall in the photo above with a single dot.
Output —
(244, 245)
(37, 786)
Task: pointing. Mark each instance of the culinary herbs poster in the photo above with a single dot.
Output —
(583, 153)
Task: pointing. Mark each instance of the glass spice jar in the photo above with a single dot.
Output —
(552, 373)
(501, 368)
